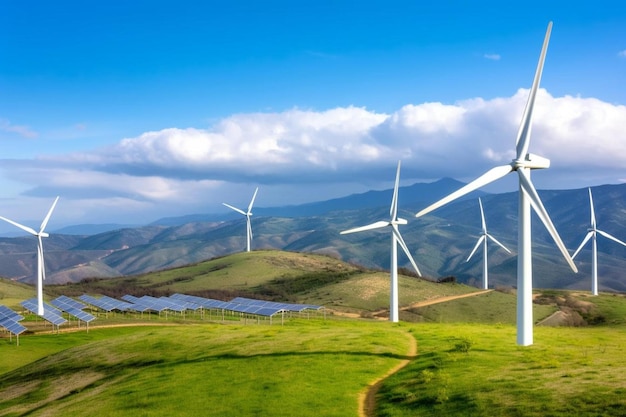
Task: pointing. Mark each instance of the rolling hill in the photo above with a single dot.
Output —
(440, 242)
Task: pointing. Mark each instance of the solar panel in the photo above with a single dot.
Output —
(144, 303)
(6, 312)
(69, 306)
(50, 314)
(106, 303)
(287, 306)
(260, 310)
(71, 302)
(186, 304)
(12, 326)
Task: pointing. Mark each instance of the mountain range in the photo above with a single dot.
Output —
(440, 242)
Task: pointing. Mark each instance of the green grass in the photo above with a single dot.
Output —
(12, 293)
(493, 307)
(477, 370)
(467, 364)
(309, 368)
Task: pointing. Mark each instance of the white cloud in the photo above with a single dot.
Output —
(193, 168)
(22, 131)
(492, 57)
(622, 54)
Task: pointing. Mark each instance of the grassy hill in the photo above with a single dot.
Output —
(274, 275)
(459, 357)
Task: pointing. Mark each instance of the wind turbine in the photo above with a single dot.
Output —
(247, 214)
(41, 269)
(591, 234)
(484, 237)
(523, 163)
(396, 239)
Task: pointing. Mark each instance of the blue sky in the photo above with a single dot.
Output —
(132, 111)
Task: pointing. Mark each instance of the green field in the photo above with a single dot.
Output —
(467, 362)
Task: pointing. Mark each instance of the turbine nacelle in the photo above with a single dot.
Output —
(531, 161)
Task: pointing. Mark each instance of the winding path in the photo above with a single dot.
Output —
(367, 398)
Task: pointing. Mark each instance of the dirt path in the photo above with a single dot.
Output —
(367, 398)
(434, 301)
(443, 299)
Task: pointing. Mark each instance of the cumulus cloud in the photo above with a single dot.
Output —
(435, 139)
(583, 137)
(22, 131)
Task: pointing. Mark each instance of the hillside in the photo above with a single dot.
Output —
(440, 242)
(274, 275)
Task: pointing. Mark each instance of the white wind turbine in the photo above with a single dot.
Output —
(396, 239)
(591, 234)
(523, 163)
(484, 237)
(247, 214)
(41, 269)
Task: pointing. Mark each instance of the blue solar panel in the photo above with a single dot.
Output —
(273, 304)
(260, 310)
(50, 314)
(69, 306)
(145, 303)
(12, 326)
(106, 303)
(6, 312)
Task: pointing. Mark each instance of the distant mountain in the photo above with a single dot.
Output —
(440, 242)
(92, 229)
(415, 195)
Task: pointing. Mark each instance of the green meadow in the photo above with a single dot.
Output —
(466, 364)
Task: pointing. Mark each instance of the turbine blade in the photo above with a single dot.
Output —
(593, 214)
(405, 248)
(497, 242)
(252, 201)
(585, 240)
(25, 228)
(613, 238)
(393, 211)
(490, 176)
(523, 134)
(45, 220)
(537, 205)
(480, 240)
(235, 208)
(482, 216)
(372, 226)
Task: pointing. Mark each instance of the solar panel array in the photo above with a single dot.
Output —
(106, 303)
(286, 306)
(73, 308)
(266, 311)
(181, 302)
(153, 303)
(50, 313)
(9, 320)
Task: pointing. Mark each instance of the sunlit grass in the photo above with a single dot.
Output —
(478, 370)
(305, 367)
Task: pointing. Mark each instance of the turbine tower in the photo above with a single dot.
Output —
(591, 234)
(484, 237)
(41, 269)
(396, 239)
(247, 214)
(523, 163)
